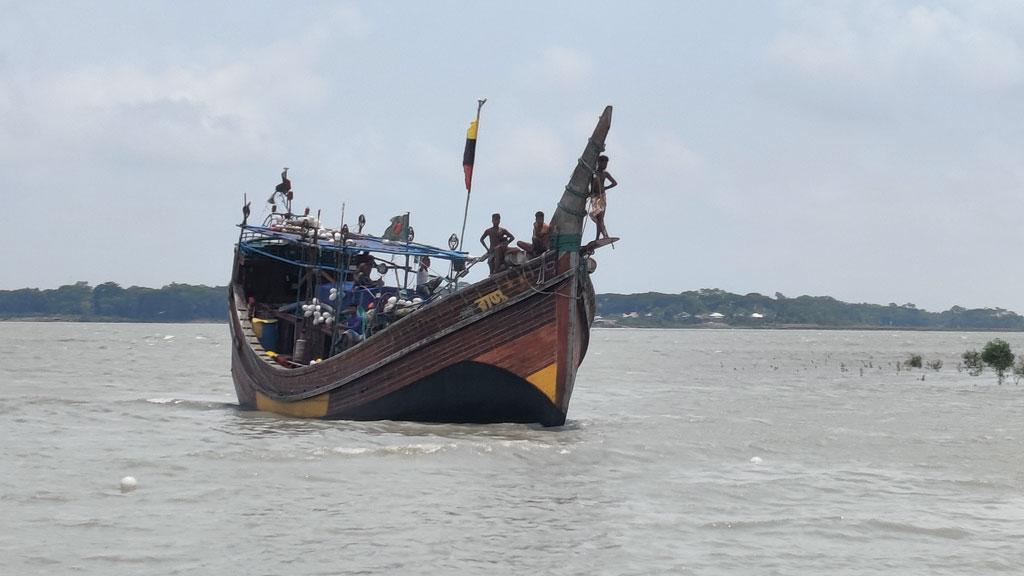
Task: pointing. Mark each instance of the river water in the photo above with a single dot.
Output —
(686, 452)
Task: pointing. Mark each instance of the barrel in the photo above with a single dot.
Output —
(266, 331)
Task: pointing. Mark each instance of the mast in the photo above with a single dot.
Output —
(567, 222)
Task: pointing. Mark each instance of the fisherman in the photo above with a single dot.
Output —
(541, 237)
(364, 265)
(598, 200)
(284, 190)
(423, 276)
(350, 333)
(285, 187)
(500, 239)
(425, 286)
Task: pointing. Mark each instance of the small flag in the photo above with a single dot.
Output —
(469, 155)
(398, 230)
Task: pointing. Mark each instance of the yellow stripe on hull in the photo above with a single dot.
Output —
(315, 407)
(546, 380)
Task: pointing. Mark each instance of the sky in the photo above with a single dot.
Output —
(869, 151)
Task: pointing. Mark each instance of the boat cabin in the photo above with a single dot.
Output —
(313, 292)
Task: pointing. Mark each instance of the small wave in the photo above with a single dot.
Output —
(947, 532)
(84, 523)
(160, 400)
(396, 450)
(746, 524)
(193, 404)
(345, 451)
(526, 445)
(53, 401)
(417, 449)
(47, 496)
(141, 559)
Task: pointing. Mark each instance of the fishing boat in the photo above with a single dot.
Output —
(315, 335)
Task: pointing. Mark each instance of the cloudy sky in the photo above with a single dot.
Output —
(871, 151)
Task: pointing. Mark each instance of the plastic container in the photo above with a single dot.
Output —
(266, 331)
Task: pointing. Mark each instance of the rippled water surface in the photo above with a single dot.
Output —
(686, 452)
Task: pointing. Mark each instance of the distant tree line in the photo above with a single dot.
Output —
(110, 302)
(191, 303)
(713, 306)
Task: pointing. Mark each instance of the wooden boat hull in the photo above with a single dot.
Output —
(503, 350)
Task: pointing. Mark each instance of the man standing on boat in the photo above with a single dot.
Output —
(598, 201)
(500, 239)
(425, 285)
(284, 190)
(364, 265)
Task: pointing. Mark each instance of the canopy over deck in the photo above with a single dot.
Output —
(255, 236)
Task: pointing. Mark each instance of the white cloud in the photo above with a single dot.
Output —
(564, 68)
(669, 155)
(872, 44)
(226, 107)
(531, 149)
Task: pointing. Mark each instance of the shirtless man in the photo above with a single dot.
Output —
(364, 265)
(541, 237)
(598, 201)
(284, 190)
(500, 239)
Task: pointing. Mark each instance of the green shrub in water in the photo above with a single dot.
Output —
(972, 362)
(997, 354)
(913, 362)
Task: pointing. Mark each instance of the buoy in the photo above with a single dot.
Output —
(128, 483)
(756, 460)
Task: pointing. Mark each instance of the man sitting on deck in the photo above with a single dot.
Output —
(541, 236)
(349, 333)
(500, 239)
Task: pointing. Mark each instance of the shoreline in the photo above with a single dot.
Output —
(80, 320)
(816, 328)
(782, 327)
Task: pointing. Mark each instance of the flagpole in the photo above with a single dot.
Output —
(469, 188)
(405, 283)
